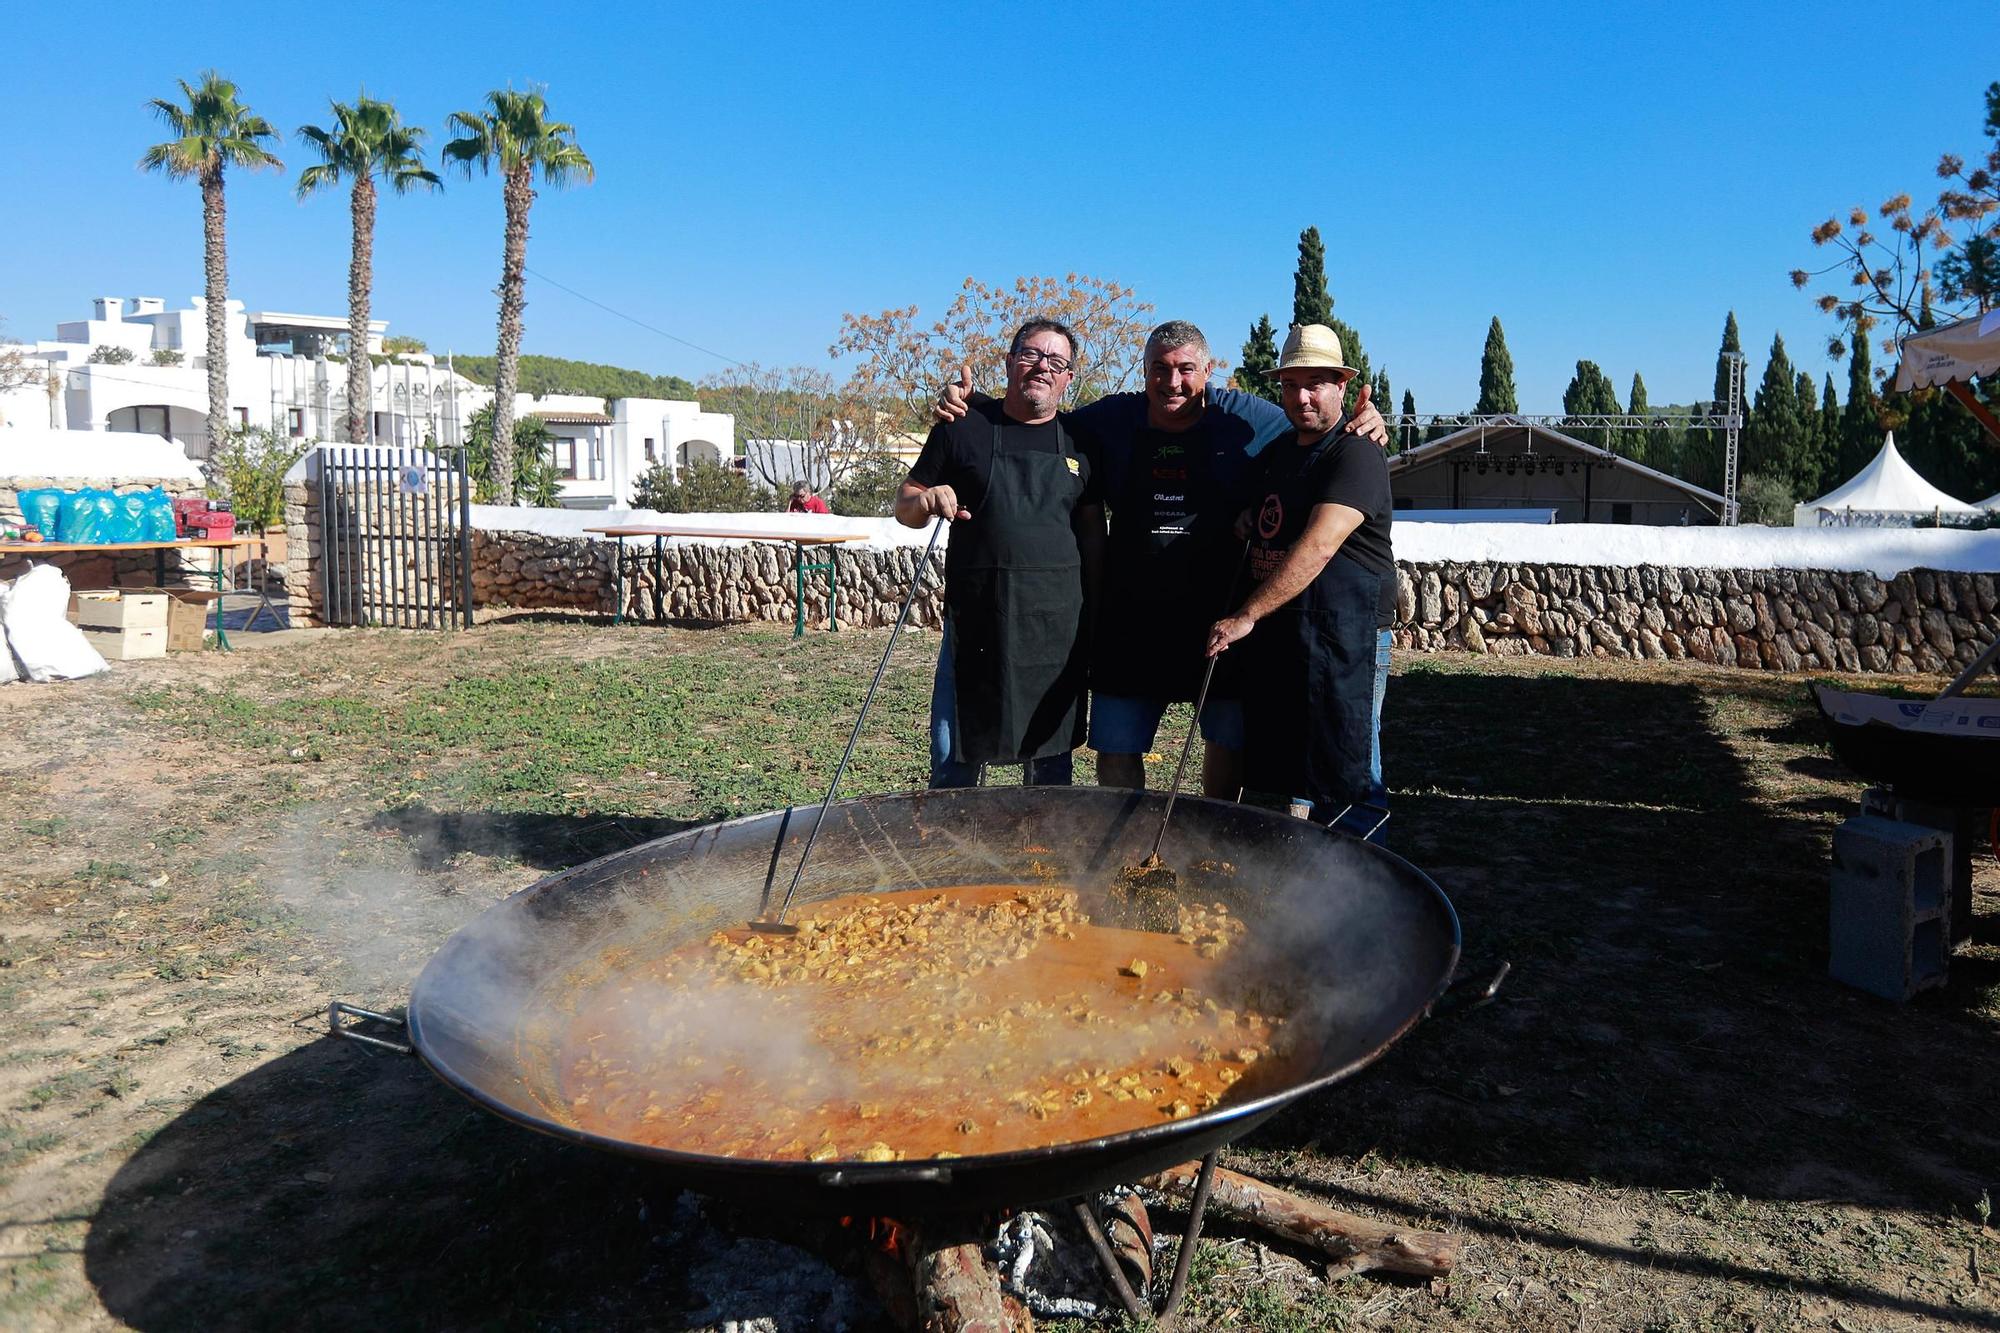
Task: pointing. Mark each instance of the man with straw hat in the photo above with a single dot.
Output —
(1322, 588)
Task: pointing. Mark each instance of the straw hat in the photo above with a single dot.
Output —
(1313, 347)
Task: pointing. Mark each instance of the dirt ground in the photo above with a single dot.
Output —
(1671, 1118)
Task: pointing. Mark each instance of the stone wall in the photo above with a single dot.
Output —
(90, 569)
(397, 562)
(1776, 620)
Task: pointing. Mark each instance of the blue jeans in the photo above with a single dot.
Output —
(1054, 771)
(1375, 806)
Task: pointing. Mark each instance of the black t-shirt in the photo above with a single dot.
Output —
(959, 454)
(1350, 470)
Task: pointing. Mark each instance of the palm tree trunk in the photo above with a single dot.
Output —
(215, 265)
(360, 279)
(519, 194)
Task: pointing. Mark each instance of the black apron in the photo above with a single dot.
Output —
(1308, 668)
(1014, 598)
(1167, 568)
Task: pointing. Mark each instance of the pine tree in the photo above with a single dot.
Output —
(1311, 304)
(1496, 374)
(1860, 423)
(1407, 437)
(1772, 438)
(1260, 356)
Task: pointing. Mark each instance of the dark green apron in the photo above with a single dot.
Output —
(1308, 668)
(1014, 597)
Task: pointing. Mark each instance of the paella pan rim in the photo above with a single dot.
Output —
(1215, 1125)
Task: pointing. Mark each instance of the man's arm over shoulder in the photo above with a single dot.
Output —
(1266, 419)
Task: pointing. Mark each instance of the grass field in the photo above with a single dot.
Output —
(1670, 1119)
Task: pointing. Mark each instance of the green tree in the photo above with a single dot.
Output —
(1763, 498)
(869, 491)
(534, 479)
(543, 375)
(1260, 357)
(212, 133)
(1406, 438)
(1640, 443)
(402, 342)
(1702, 450)
(1590, 393)
(252, 463)
(1774, 437)
(1496, 374)
(1829, 443)
(1311, 302)
(368, 142)
(1810, 463)
(1860, 420)
(1380, 394)
(703, 488)
(515, 135)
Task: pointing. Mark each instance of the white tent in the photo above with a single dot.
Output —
(1886, 493)
(1953, 353)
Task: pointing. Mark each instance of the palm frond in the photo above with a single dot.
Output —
(322, 176)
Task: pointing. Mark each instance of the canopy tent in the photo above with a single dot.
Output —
(1951, 354)
(1886, 493)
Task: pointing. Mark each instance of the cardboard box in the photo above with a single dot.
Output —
(126, 645)
(120, 609)
(187, 616)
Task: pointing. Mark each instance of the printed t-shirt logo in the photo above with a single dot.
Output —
(1075, 468)
(1271, 517)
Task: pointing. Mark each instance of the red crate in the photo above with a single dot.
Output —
(217, 524)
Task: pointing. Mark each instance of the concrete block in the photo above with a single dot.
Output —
(1889, 917)
(1963, 829)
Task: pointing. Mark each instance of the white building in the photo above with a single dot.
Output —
(283, 375)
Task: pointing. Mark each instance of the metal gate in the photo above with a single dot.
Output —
(395, 537)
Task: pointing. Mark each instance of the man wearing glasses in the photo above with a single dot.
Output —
(1027, 534)
(1171, 465)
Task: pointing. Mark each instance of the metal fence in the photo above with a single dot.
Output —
(395, 537)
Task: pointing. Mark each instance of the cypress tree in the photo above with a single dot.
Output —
(1771, 438)
(1496, 374)
(1701, 453)
(1829, 443)
(1590, 393)
(1806, 475)
(1311, 303)
(1382, 397)
(1860, 424)
(1408, 435)
(1260, 355)
(1640, 446)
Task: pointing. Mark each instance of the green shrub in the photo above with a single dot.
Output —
(105, 355)
(252, 463)
(1762, 498)
(534, 466)
(704, 488)
(869, 490)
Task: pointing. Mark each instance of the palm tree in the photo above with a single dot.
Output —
(213, 131)
(515, 133)
(368, 140)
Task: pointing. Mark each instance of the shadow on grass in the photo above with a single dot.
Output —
(335, 1188)
(549, 842)
(1669, 1022)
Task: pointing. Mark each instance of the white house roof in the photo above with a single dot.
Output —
(330, 323)
(1888, 485)
(1954, 352)
(1474, 434)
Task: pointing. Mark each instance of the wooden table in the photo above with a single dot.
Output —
(219, 545)
(799, 541)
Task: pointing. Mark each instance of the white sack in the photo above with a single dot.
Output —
(37, 625)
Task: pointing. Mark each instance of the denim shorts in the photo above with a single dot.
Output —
(1127, 724)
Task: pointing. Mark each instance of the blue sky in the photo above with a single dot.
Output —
(1609, 180)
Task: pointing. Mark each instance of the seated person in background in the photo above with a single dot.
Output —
(804, 501)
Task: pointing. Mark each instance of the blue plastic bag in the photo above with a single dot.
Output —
(80, 520)
(41, 509)
(158, 524)
(127, 520)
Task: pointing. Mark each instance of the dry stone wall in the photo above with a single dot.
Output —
(1775, 620)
